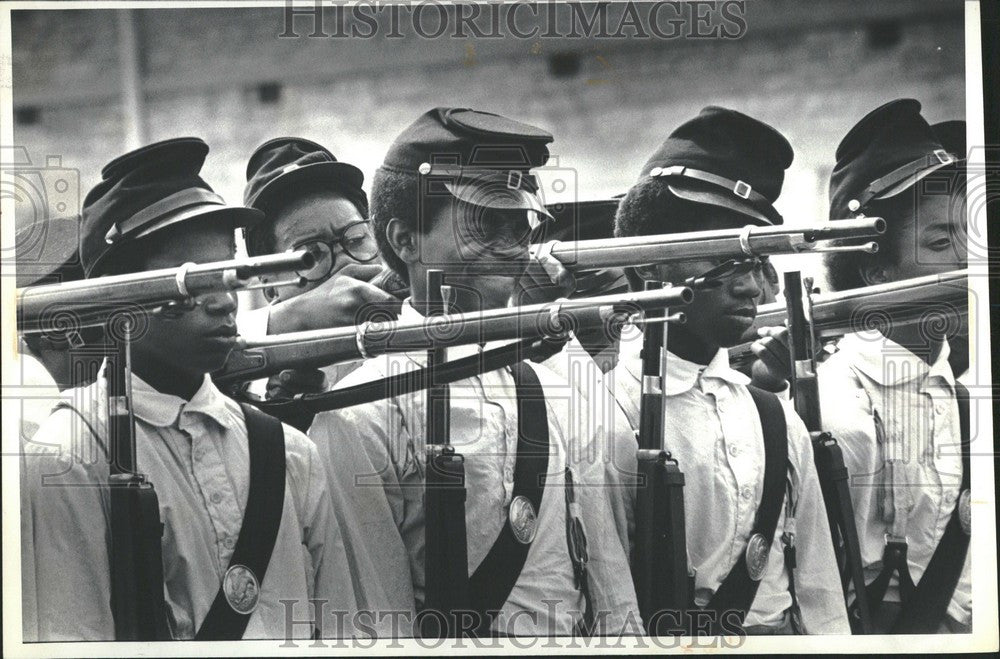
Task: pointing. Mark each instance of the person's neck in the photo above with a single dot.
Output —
(917, 341)
(690, 347)
(175, 382)
(463, 300)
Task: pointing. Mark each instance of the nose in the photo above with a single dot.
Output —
(220, 304)
(747, 284)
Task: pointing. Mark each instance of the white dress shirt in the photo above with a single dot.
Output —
(713, 429)
(907, 472)
(388, 476)
(196, 455)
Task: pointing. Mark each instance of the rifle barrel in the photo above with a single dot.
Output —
(269, 355)
(842, 312)
(91, 301)
(723, 243)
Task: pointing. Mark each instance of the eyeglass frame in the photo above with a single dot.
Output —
(338, 240)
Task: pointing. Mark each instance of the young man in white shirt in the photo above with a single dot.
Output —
(454, 193)
(723, 170)
(890, 397)
(152, 210)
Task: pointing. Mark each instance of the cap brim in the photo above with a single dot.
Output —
(496, 196)
(238, 216)
(910, 181)
(705, 196)
(330, 173)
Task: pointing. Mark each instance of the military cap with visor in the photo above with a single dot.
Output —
(146, 191)
(951, 135)
(480, 158)
(287, 167)
(290, 165)
(883, 155)
(725, 158)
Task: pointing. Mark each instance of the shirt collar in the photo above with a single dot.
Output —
(683, 375)
(871, 353)
(163, 410)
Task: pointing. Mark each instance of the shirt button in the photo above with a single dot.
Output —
(939, 408)
(746, 492)
(229, 542)
(733, 450)
(216, 497)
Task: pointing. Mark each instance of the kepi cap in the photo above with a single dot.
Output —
(725, 158)
(481, 158)
(883, 155)
(147, 190)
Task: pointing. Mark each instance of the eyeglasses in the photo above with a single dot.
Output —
(356, 240)
(730, 268)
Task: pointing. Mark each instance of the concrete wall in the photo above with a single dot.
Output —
(811, 69)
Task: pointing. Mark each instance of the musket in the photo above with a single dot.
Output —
(446, 562)
(92, 301)
(827, 455)
(833, 315)
(263, 357)
(137, 601)
(659, 561)
(723, 243)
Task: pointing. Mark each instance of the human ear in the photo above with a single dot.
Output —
(647, 272)
(403, 240)
(873, 274)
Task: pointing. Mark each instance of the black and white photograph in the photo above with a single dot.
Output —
(496, 327)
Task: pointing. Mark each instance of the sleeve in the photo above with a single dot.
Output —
(817, 579)
(65, 537)
(371, 508)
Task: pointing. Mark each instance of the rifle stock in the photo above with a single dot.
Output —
(827, 455)
(136, 555)
(659, 565)
(446, 563)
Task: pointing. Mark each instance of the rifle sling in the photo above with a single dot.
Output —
(490, 585)
(261, 519)
(927, 606)
(737, 592)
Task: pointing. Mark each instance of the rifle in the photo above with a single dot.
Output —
(828, 457)
(833, 315)
(91, 301)
(268, 355)
(446, 562)
(659, 562)
(137, 601)
(722, 243)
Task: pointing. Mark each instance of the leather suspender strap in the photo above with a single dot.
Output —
(926, 608)
(736, 594)
(239, 592)
(491, 583)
